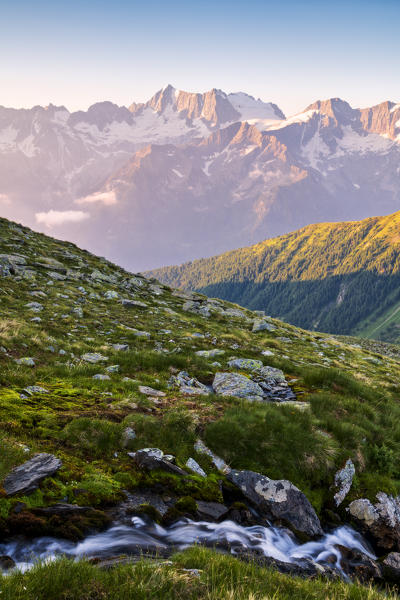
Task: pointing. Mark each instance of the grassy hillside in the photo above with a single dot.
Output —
(337, 277)
(59, 303)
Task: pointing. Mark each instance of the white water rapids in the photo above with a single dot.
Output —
(274, 542)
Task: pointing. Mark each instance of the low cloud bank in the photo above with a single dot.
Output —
(53, 218)
(106, 198)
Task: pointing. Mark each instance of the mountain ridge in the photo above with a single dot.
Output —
(328, 264)
(83, 175)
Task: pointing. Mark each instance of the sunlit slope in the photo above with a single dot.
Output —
(337, 277)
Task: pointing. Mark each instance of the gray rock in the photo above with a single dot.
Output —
(111, 295)
(210, 353)
(154, 458)
(261, 325)
(218, 462)
(128, 435)
(35, 389)
(26, 478)
(189, 386)
(245, 364)
(343, 481)
(195, 467)
(133, 303)
(101, 377)
(120, 347)
(25, 361)
(112, 369)
(34, 306)
(279, 500)
(94, 357)
(236, 385)
(149, 391)
(211, 510)
(391, 567)
(380, 521)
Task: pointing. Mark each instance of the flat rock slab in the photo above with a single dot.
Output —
(26, 478)
(279, 500)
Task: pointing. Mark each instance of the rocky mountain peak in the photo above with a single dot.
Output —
(336, 108)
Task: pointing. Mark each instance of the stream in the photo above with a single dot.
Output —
(142, 536)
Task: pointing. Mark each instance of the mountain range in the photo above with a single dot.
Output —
(336, 277)
(186, 175)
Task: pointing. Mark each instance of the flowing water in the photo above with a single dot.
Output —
(120, 539)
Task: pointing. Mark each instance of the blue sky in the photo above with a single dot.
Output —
(289, 52)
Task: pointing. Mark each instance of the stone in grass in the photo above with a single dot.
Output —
(128, 435)
(210, 353)
(261, 325)
(35, 389)
(26, 361)
(112, 369)
(218, 462)
(149, 391)
(237, 386)
(195, 467)
(246, 364)
(101, 377)
(111, 295)
(133, 303)
(93, 357)
(120, 347)
(34, 306)
(26, 478)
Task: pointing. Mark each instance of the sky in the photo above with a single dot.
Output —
(289, 52)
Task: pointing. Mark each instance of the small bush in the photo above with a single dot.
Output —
(93, 437)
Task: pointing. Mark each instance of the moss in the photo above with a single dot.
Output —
(148, 511)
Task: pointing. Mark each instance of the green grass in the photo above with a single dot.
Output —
(218, 577)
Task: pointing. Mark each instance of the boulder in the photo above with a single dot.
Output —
(154, 458)
(380, 522)
(236, 385)
(280, 501)
(391, 567)
(26, 478)
(6, 562)
(343, 481)
(359, 565)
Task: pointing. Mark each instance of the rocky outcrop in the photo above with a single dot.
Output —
(280, 501)
(380, 522)
(26, 478)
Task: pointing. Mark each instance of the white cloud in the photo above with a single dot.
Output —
(59, 217)
(106, 198)
(4, 199)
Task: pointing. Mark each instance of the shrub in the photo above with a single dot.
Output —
(94, 437)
